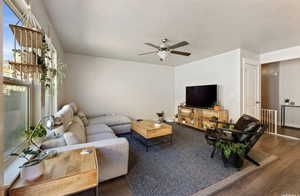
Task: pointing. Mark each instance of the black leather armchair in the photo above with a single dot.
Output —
(247, 131)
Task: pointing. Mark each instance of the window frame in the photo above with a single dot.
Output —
(18, 11)
(10, 81)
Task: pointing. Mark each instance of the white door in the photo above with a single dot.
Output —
(251, 88)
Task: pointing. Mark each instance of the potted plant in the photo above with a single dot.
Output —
(33, 167)
(160, 116)
(232, 153)
(286, 101)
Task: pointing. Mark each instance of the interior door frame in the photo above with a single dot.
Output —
(258, 90)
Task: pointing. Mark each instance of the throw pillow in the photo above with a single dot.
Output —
(66, 113)
(78, 130)
(84, 118)
(74, 107)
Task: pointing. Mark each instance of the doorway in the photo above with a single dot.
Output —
(251, 88)
(280, 93)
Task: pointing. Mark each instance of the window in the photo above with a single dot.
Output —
(16, 93)
(8, 40)
(20, 111)
(16, 114)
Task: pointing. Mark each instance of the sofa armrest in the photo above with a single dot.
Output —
(112, 156)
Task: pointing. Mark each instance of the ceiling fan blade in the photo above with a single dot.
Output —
(180, 53)
(180, 44)
(152, 45)
(148, 53)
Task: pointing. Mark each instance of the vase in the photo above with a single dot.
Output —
(32, 172)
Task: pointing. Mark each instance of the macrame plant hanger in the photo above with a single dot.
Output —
(30, 41)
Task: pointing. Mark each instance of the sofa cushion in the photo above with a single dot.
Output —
(121, 129)
(98, 128)
(78, 120)
(74, 107)
(110, 120)
(71, 139)
(100, 136)
(78, 130)
(53, 143)
(66, 113)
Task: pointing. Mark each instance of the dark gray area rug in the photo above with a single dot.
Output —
(180, 169)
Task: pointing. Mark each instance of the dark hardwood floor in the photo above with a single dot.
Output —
(278, 178)
(289, 131)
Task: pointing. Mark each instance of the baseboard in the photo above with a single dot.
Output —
(285, 136)
(219, 186)
(292, 125)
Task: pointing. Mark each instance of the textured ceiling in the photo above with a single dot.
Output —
(119, 28)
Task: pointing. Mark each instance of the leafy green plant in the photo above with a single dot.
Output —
(229, 148)
(39, 132)
(43, 57)
(33, 155)
(37, 155)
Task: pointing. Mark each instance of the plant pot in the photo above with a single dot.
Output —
(33, 172)
(234, 160)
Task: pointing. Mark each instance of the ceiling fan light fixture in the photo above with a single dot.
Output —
(163, 55)
(165, 49)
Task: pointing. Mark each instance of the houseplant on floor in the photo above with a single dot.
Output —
(232, 153)
(33, 167)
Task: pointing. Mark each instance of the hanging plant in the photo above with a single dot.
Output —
(46, 73)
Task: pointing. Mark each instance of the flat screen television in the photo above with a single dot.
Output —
(201, 96)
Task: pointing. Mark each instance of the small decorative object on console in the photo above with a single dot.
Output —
(217, 108)
(160, 116)
(157, 124)
(287, 101)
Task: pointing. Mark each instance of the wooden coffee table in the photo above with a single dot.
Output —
(67, 173)
(147, 132)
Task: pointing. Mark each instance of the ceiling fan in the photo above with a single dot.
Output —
(165, 49)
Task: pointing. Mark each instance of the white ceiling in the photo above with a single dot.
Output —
(119, 28)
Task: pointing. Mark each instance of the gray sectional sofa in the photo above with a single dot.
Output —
(79, 131)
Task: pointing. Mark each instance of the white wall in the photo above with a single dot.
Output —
(101, 85)
(223, 70)
(289, 81)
